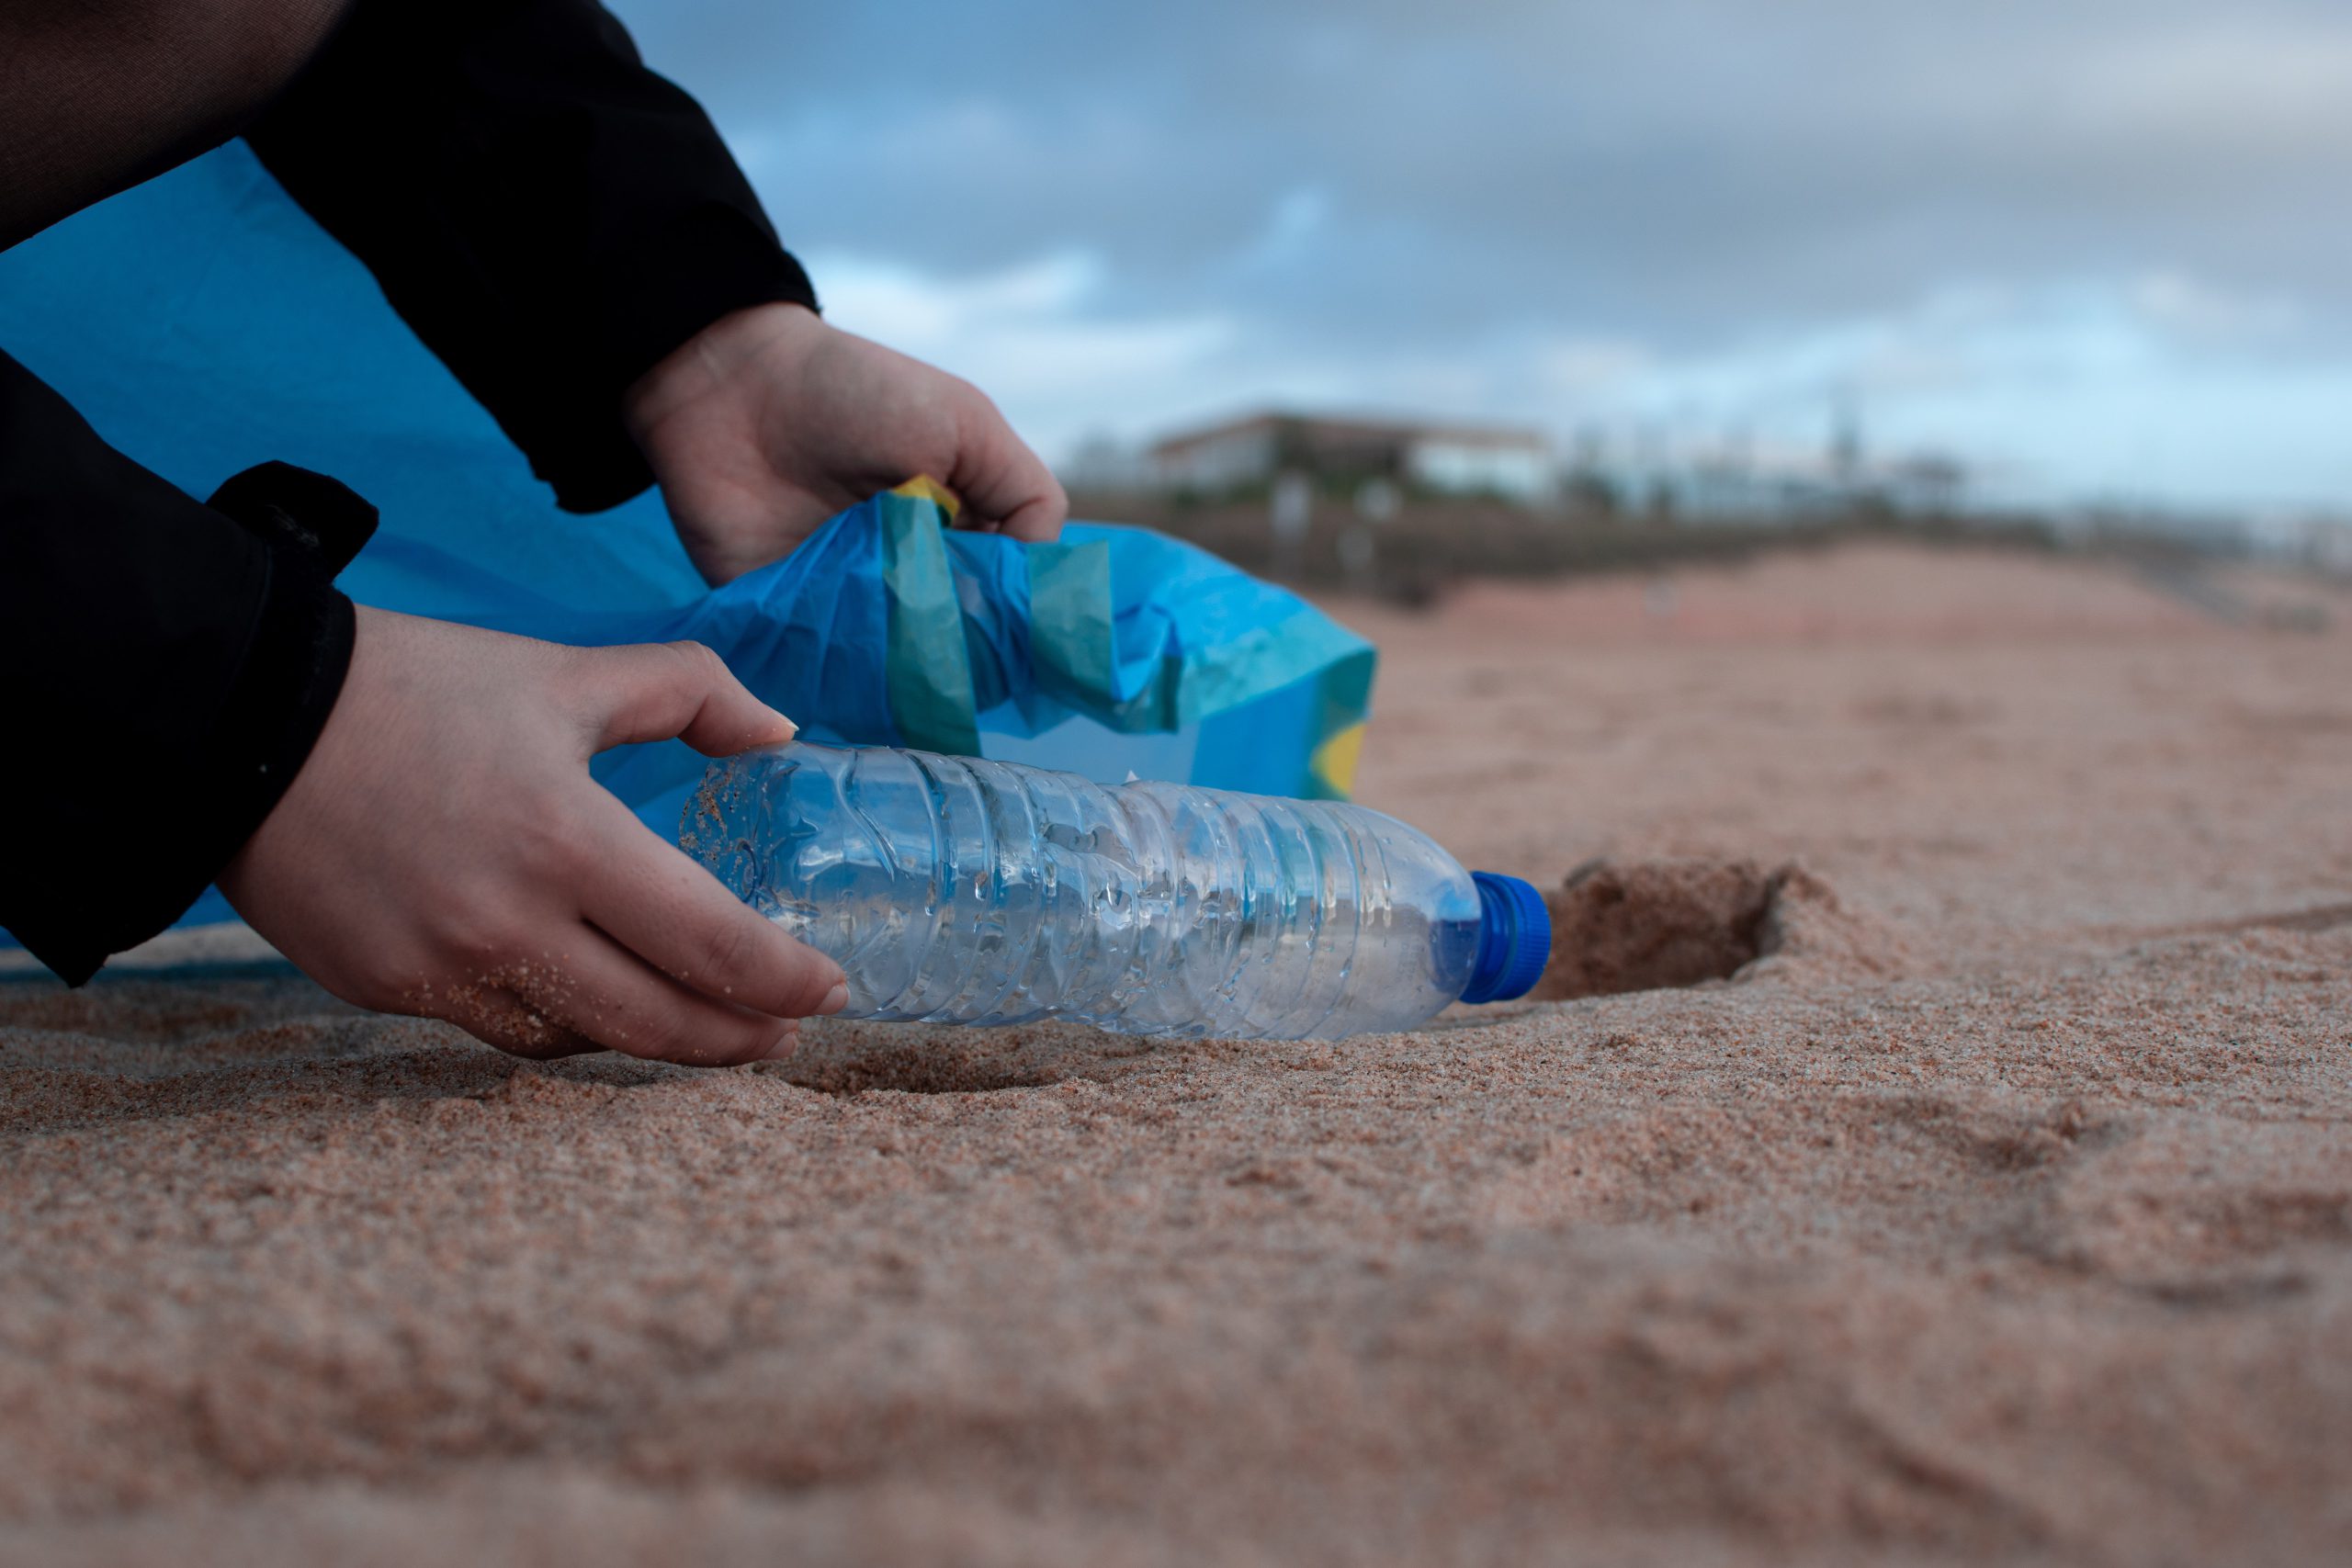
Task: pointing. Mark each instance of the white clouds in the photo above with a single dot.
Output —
(2257, 83)
(2152, 389)
(1686, 215)
(923, 314)
(1034, 338)
(2149, 388)
(2214, 317)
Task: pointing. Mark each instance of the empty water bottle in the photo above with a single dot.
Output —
(954, 890)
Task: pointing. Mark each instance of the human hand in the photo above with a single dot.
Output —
(769, 420)
(445, 853)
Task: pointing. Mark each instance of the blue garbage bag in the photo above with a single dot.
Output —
(202, 323)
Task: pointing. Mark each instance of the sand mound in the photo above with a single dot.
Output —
(1651, 924)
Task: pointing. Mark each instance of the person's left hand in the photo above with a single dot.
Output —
(769, 420)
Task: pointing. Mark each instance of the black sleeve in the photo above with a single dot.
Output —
(165, 667)
(550, 216)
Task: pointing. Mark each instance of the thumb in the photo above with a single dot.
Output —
(656, 690)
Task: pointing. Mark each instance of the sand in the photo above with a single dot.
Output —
(1976, 1185)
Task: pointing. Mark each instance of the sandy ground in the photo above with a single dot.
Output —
(1998, 1209)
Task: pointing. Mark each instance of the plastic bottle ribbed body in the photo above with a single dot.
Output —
(956, 890)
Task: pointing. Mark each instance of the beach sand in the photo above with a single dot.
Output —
(1977, 1187)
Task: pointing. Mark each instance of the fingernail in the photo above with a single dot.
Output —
(782, 1049)
(836, 998)
(790, 729)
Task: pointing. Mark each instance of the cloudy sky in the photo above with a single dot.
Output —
(2100, 249)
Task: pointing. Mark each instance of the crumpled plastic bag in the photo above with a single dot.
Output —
(202, 323)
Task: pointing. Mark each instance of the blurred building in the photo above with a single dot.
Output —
(1103, 463)
(1455, 459)
(1745, 481)
(2328, 546)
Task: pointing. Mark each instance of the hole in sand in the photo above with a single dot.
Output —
(1645, 925)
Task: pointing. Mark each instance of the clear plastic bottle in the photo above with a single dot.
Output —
(954, 890)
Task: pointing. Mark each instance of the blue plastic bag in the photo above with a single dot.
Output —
(202, 323)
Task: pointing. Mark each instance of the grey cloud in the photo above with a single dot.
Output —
(1673, 170)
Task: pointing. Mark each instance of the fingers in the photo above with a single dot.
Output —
(610, 996)
(1001, 482)
(496, 1016)
(677, 918)
(655, 691)
(588, 993)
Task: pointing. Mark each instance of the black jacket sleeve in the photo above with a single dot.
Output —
(168, 663)
(552, 218)
(548, 215)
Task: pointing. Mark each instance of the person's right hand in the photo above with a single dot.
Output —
(444, 851)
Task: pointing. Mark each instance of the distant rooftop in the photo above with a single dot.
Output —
(1467, 458)
(1327, 430)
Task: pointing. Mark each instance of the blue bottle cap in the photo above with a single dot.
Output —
(1514, 939)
